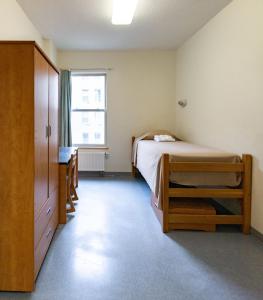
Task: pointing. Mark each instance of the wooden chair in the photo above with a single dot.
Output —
(71, 191)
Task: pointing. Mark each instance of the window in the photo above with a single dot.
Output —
(88, 112)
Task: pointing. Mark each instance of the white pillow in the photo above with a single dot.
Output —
(164, 138)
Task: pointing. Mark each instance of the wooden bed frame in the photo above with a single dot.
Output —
(243, 192)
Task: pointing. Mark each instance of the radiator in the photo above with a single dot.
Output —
(91, 161)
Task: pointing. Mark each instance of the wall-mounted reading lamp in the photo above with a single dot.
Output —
(182, 103)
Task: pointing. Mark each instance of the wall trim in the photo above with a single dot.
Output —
(84, 174)
(257, 234)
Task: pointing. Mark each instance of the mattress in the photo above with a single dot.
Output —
(148, 156)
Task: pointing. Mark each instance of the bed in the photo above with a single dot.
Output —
(176, 170)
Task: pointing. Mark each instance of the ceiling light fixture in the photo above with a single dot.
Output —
(123, 11)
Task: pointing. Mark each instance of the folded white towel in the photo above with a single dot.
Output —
(164, 138)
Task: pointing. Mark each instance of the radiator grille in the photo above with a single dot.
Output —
(91, 161)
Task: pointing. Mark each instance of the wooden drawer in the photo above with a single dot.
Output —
(44, 243)
(45, 216)
(190, 206)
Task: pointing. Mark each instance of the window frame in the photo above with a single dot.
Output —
(90, 73)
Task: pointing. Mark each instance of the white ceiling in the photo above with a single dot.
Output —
(86, 24)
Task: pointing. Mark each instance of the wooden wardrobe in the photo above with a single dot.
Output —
(28, 162)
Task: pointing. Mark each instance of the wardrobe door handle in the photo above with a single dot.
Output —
(47, 131)
(49, 210)
(48, 234)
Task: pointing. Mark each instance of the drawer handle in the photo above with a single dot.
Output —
(49, 210)
(48, 234)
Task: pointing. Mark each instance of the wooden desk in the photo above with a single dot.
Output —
(64, 159)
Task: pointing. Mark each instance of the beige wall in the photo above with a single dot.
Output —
(141, 95)
(15, 25)
(50, 49)
(220, 73)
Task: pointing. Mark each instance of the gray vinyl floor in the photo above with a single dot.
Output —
(112, 248)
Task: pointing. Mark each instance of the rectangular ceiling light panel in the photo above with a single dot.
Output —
(123, 11)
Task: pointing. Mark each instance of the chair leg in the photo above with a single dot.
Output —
(73, 193)
(70, 202)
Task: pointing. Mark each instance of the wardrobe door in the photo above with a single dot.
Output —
(53, 131)
(41, 131)
(17, 167)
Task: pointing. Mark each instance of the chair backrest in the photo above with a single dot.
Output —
(72, 166)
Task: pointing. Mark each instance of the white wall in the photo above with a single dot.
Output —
(141, 95)
(220, 73)
(50, 50)
(15, 25)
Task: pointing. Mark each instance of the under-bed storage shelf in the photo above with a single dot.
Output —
(182, 206)
(205, 219)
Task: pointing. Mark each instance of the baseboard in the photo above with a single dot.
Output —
(257, 233)
(84, 174)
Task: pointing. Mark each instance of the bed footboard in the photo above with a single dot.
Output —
(243, 192)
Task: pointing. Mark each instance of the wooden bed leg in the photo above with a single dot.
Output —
(247, 178)
(165, 195)
(134, 171)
